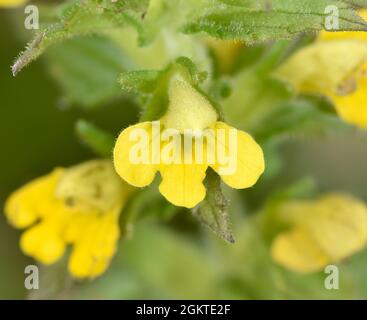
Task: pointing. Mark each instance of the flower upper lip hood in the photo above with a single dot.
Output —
(188, 109)
(91, 186)
(182, 183)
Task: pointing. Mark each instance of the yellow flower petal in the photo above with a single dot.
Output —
(249, 163)
(138, 175)
(78, 223)
(352, 107)
(182, 184)
(95, 247)
(80, 262)
(342, 35)
(43, 242)
(11, 3)
(297, 251)
(32, 201)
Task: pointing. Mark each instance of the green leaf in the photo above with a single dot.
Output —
(163, 15)
(138, 5)
(96, 139)
(269, 3)
(196, 76)
(87, 69)
(259, 4)
(82, 17)
(143, 81)
(277, 19)
(357, 3)
(213, 210)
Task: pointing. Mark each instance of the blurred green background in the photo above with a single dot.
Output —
(37, 134)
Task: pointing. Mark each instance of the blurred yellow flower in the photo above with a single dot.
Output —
(321, 232)
(78, 206)
(334, 66)
(182, 181)
(12, 3)
(225, 51)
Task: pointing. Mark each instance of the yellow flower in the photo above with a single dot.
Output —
(79, 206)
(322, 232)
(190, 123)
(12, 3)
(334, 66)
